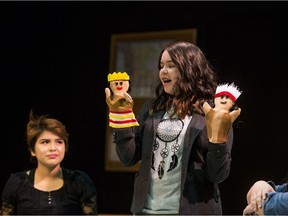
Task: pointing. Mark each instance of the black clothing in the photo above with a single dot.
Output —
(77, 196)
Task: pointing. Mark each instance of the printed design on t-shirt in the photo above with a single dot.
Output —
(168, 131)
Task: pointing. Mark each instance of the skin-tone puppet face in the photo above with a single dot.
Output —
(49, 150)
(118, 87)
(168, 73)
(223, 102)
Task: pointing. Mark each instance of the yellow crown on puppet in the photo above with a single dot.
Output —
(230, 90)
(118, 76)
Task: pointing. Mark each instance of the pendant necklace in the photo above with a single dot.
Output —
(168, 131)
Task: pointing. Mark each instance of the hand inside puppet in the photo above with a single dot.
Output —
(120, 103)
(220, 118)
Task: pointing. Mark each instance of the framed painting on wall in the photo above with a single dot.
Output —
(137, 54)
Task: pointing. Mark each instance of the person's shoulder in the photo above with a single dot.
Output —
(17, 178)
(198, 121)
(77, 176)
(199, 116)
(20, 174)
(149, 102)
(74, 173)
(145, 107)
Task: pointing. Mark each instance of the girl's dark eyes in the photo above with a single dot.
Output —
(48, 141)
(170, 66)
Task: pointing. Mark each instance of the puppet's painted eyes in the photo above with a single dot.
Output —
(119, 83)
(224, 97)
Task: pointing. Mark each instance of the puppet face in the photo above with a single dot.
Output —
(118, 87)
(223, 102)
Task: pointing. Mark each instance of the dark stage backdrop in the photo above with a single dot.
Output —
(55, 59)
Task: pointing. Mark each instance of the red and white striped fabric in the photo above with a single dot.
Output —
(123, 119)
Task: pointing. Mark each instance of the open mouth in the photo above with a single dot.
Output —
(165, 80)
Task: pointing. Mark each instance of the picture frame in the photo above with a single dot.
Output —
(137, 54)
